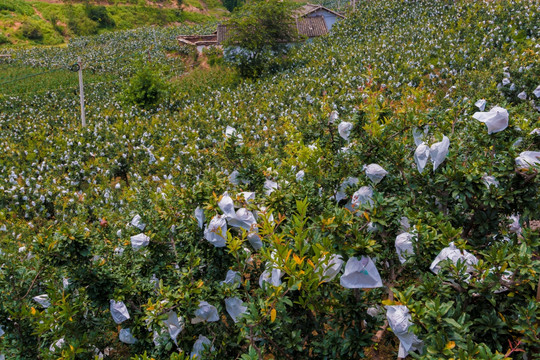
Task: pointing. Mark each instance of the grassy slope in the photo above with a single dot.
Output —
(15, 13)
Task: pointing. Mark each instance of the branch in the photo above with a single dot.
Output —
(31, 285)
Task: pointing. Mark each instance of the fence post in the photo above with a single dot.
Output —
(81, 91)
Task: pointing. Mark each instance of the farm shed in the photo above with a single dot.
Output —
(310, 20)
(198, 41)
(306, 27)
(313, 11)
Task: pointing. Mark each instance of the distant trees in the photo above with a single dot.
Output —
(232, 4)
(260, 29)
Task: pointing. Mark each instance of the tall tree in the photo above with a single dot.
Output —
(261, 29)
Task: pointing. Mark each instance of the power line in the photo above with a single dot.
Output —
(30, 76)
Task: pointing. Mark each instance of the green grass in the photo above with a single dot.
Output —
(53, 19)
(33, 81)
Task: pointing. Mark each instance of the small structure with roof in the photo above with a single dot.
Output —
(311, 21)
(309, 11)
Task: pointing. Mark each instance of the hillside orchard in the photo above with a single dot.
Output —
(372, 194)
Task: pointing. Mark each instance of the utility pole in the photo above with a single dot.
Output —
(81, 91)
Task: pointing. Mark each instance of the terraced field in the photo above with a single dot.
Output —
(369, 196)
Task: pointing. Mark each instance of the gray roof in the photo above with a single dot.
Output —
(310, 8)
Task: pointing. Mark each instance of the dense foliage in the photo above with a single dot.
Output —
(258, 31)
(59, 21)
(74, 200)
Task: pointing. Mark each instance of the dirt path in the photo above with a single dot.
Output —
(39, 14)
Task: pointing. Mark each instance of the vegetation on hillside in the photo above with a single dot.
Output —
(238, 220)
(53, 23)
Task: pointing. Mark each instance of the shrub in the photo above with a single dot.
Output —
(32, 31)
(146, 88)
(4, 39)
(100, 15)
(214, 55)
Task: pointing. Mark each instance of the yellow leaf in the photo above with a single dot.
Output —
(450, 345)
(327, 222)
(201, 283)
(288, 255)
(71, 347)
(70, 318)
(51, 245)
(273, 314)
(297, 259)
(387, 302)
(33, 311)
(366, 215)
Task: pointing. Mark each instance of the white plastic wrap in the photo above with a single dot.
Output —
(438, 152)
(421, 157)
(514, 227)
(375, 172)
(248, 196)
(344, 129)
(201, 345)
(522, 95)
(404, 224)
(233, 177)
(199, 215)
(528, 158)
(255, 240)
(490, 181)
(350, 181)
(205, 312)
(272, 276)
(332, 268)
(496, 119)
(216, 232)
(480, 104)
(418, 136)
(300, 175)
(454, 254)
(244, 219)
(137, 222)
(119, 311)
(42, 300)
(230, 132)
(226, 205)
(126, 337)
(139, 241)
(174, 325)
(334, 115)
(270, 186)
(235, 307)
(363, 196)
(232, 278)
(536, 92)
(360, 274)
(404, 246)
(59, 344)
(399, 320)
